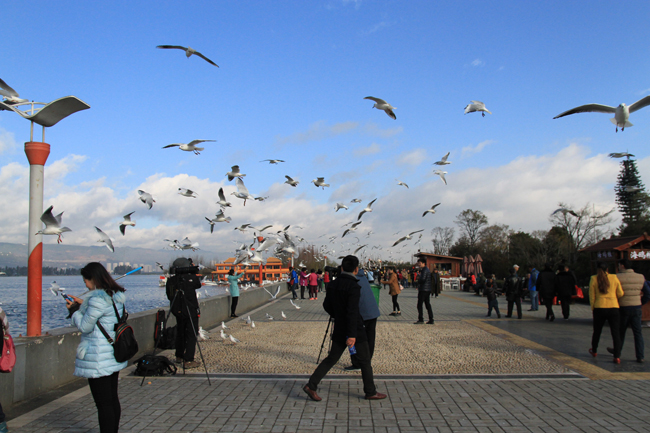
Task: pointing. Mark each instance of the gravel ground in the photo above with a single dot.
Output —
(452, 347)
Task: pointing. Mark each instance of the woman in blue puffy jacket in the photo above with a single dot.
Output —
(234, 290)
(95, 356)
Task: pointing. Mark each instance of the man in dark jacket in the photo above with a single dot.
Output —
(547, 290)
(369, 311)
(181, 290)
(512, 289)
(424, 292)
(565, 283)
(342, 304)
(437, 283)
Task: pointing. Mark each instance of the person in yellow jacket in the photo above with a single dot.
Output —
(604, 291)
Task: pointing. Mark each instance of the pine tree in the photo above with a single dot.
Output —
(632, 200)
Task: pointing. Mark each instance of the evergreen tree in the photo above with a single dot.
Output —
(632, 200)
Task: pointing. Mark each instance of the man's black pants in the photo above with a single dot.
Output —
(363, 358)
(185, 337)
(424, 298)
(518, 302)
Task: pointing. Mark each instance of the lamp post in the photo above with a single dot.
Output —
(45, 115)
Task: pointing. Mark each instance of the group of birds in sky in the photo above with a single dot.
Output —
(282, 241)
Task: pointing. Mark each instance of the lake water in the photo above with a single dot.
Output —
(142, 293)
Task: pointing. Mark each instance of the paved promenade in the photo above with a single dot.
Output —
(567, 391)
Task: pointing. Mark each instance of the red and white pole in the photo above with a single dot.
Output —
(37, 154)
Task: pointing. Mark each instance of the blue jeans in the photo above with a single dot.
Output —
(293, 288)
(631, 316)
(534, 300)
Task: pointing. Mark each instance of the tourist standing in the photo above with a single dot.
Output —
(630, 307)
(604, 292)
(565, 283)
(547, 290)
(95, 359)
(491, 294)
(312, 281)
(303, 282)
(436, 283)
(512, 288)
(424, 292)
(532, 288)
(233, 280)
(394, 291)
(293, 282)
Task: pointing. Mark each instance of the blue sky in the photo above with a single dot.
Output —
(291, 84)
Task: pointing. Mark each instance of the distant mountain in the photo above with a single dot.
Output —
(74, 256)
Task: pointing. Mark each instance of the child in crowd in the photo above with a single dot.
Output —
(491, 293)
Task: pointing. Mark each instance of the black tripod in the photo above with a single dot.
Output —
(193, 330)
(325, 337)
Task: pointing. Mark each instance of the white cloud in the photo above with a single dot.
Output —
(375, 28)
(373, 129)
(471, 150)
(317, 131)
(478, 62)
(412, 157)
(7, 141)
(368, 150)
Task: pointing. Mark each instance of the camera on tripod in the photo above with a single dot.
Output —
(184, 270)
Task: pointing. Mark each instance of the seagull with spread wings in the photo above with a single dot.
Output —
(366, 209)
(126, 222)
(188, 52)
(320, 181)
(441, 174)
(146, 198)
(222, 199)
(189, 147)
(242, 191)
(234, 172)
(186, 192)
(621, 113)
(380, 104)
(408, 237)
(291, 181)
(272, 161)
(443, 160)
(52, 224)
(432, 210)
(103, 237)
(477, 106)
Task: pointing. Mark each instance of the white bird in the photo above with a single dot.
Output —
(359, 249)
(432, 210)
(441, 174)
(443, 161)
(284, 316)
(189, 147)
(267, 243)
(621, 155)
(380, 104)
(103, 237)
(11, 97)
(252, 323)
(248, 320)
(477, 106)
(242, 228)
(263, 228)
(272, 161)
(222, 199)
(294, 304)
(565, 211)
(632, 188)
(273, 296)
(223, 325)
(366, 209)
(291, 182)
(233, 339)
(188, 52)
(223, 334)
(621, 113)
(234, 172)
(52, 224)
(320, 182)
(186, 244)
(203, 334)
(146, 198)
(55, 288)
(242, 191)
(352, 228)
(186, 192)
(219, 218)
(399, 182)
(355, 200)
(407, 237)
(340, 206)
(127, 222)
(269, 317)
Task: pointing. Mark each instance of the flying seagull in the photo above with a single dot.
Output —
(399, 182)
(621, 113)
(565, 211)
(380, 104)
(366, 209)
(146, 198)
(242, 228)
(432, 210)
(407, 237)
(189, 147)
(103, 237)
(477, 106)
(443, 161)
(355, 200)
(127, 222)
(11, 97)
(621, 155)
(273, 296)
(359, 249)
(222, 199)
(340, 206)
(294, 304)
(55, 288)
(272, 161)
(632, 188)
(320, 182)
(242, 191)
(234, 173)
(441, 174)
(52, 224)
(291, 182)
(219, 218)
(188, 52)
(186, 192)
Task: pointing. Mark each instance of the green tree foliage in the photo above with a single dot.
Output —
(632, 200)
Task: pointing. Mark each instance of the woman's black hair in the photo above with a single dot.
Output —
(98, 274)
(231, 271)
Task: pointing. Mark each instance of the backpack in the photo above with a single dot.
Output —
(7, 352)
(153, 365)
(168, 340)
(124, 345)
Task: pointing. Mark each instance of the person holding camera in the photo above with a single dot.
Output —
(181, 291)
(95, 355)
(233, 280)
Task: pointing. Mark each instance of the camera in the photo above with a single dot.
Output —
(183, 266)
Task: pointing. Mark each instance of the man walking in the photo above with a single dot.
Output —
(342, 304)
(424, 291)
(369, 312)
(512, 289)
(630, 306)
(532, 288)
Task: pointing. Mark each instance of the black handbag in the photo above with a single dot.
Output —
(124, 345)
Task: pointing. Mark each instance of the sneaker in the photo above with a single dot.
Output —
(419, 322)
(352, 368)
(311, 393)
(191, 364)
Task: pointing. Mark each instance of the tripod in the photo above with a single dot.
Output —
(325, 337)
(181, 291)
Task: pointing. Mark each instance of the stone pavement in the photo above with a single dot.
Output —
(593, 397)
